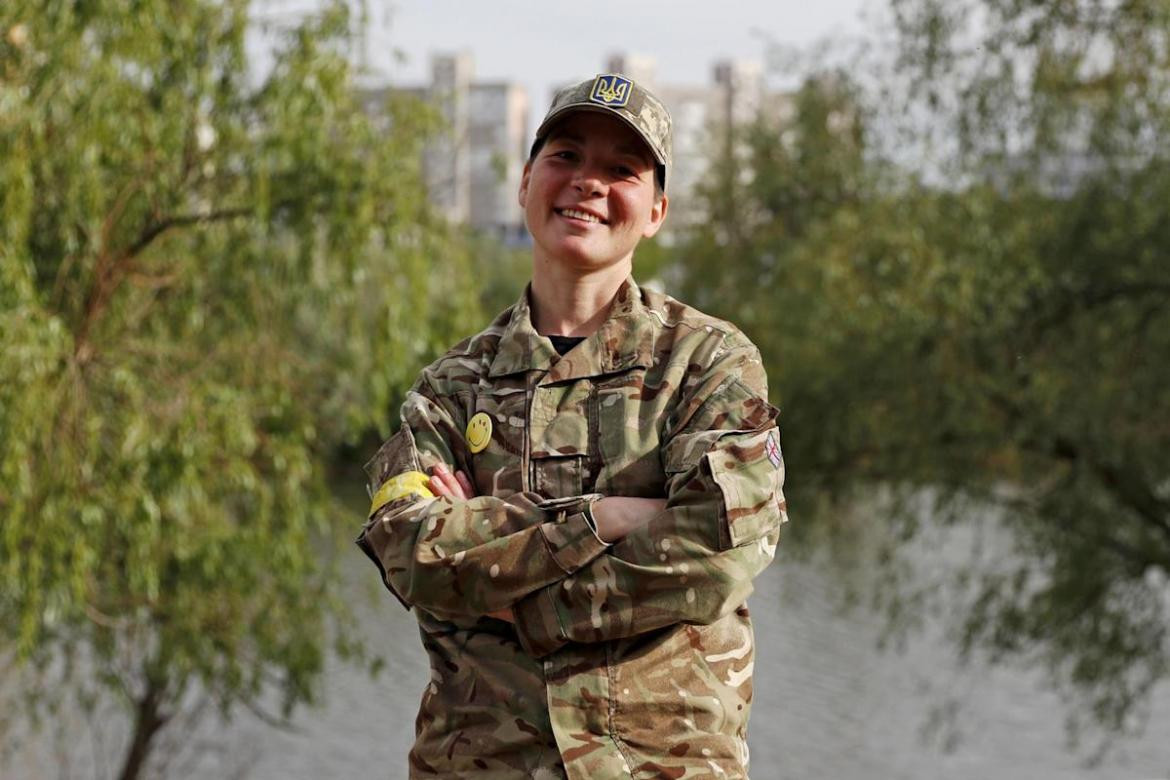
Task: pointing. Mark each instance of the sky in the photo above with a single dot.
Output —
(543, 44)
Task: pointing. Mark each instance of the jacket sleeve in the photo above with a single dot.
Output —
(693, 562)
(462, 558)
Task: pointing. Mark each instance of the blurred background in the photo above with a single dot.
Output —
(231, 233)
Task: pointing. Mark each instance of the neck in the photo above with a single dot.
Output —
(571, 303)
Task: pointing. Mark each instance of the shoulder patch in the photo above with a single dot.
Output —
(772, 449)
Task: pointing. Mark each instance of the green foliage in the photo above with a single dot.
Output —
(503, 273)
(985, 328)
(207, 286)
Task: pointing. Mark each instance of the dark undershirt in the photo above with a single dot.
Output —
(563, 344)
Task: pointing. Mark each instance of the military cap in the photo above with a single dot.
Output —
(632, 103)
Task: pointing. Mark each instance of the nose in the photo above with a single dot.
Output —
(588, 181)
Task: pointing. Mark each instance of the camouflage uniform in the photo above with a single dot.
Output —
(631, 659)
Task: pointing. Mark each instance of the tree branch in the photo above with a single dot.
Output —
(179, 220)
(110, 273)
(1129, 490)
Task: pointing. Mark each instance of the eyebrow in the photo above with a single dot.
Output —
(569, 136)
(636, 151)
(626, 149)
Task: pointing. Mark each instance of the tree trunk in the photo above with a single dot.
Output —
(148, 720)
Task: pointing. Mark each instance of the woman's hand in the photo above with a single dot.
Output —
(456, 487)
(616, 516)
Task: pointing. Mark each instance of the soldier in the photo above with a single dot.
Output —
(580, 495)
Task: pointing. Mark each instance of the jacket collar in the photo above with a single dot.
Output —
(624, 340)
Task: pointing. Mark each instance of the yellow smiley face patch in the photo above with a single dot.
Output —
(479, 432)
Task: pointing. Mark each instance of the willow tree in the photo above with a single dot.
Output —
(1056, 238)
(956, 268)
(210, 281)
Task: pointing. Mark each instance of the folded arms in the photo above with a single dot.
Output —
(691, 561)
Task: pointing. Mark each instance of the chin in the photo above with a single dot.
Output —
(581, 257)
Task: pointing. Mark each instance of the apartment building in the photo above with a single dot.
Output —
(473, 165)
(702, 115)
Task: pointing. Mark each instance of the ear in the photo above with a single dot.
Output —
(523, 195)
(657, 216)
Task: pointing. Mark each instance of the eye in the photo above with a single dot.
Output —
(624, 171)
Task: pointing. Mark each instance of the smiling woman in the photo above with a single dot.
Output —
(605, 482)
(589, 197)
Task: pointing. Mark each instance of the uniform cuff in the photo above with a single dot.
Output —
(572, 541)
(538, 626)
(369, 541)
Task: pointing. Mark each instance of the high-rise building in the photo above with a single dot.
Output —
(497, 142)
(473, 165)
(703, 116)
(447, 158)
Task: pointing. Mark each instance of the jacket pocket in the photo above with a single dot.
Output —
(748, 469)
(559, 476)
(562, 444)
(496, 469)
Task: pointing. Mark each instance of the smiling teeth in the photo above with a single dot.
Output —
(579, 215)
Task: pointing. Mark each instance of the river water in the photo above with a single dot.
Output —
(828, 704)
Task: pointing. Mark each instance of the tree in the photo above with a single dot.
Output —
(956, 273)
(207, 286)
(1058, 241)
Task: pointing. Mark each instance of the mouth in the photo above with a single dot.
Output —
(580, 214)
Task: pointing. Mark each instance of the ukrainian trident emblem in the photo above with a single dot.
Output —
(611, 90)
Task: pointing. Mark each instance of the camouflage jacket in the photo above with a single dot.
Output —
(626, 660)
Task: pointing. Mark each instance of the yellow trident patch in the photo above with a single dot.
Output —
(611, 90)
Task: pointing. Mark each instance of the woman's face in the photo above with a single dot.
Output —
(589, 194)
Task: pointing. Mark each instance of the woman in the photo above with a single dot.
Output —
(580, 495)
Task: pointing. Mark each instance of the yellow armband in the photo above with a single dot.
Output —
(411, 482)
